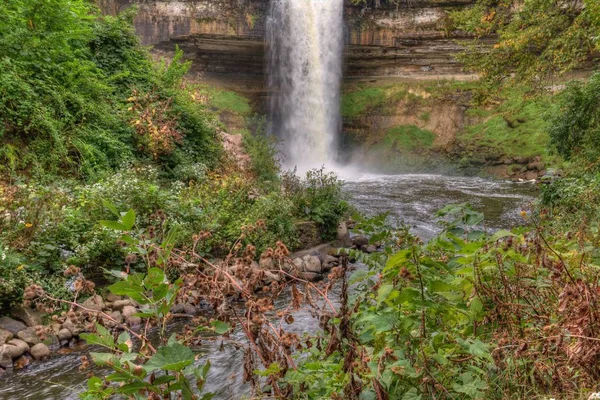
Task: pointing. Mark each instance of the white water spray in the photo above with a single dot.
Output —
(305, 40)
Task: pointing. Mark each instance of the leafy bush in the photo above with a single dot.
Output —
(318, 197)
(64, 107)
(575, 130)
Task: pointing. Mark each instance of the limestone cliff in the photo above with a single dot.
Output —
(227, 36)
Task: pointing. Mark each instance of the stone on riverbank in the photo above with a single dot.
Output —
(20, 347)
(40, 351)
(5, 336)
(11, 325)
(343, 236)
(130, 318)
(6, 356)
(64, 335)
(29, 335)
(95, 303)
(119, 304)
(28, 315)
(360, 241)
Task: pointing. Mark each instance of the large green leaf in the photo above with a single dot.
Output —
(174, 357)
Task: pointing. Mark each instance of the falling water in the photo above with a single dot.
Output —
(305, 40)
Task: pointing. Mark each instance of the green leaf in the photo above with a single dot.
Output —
(412, 394)
(174, 357)
(220, 327)
(128, 219)
(110, 207)
(114, 225)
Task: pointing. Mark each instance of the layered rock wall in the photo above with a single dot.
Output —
(412, 40)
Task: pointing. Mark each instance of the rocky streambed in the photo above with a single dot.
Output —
(49, 355)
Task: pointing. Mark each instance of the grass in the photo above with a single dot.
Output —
(515, 127)
(407, 138)
(359, 101)
(226, 100)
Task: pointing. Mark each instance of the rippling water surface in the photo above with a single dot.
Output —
(409, 198)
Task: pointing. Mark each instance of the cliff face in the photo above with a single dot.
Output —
(227, 36)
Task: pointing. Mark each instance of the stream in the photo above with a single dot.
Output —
(412, 198)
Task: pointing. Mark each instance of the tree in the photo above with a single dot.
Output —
(536, 39)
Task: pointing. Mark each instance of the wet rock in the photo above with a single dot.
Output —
(29, 335)
(310, 276)
(343, 236)
(190, 309)
(272, 277)
(309, 234)
(119, 304)
(2, 371)
(371, 249)
(26, 314)
(64, 335)
(536, 166)
(360, 241)
(73, 328)
(531, 175)
(95, 303)
(5, 356)
(20, 347)
(40, 351)
(130, 318)
(522, 160)
(11, 325)
(21, 362)
(5, 336)
(266, 263)
(113, 297)
(312, 264)
(115, 319)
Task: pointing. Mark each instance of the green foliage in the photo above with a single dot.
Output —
(164, 371)
(408, 138)
(227, 100)
(439, 320)
(357, 102)
(516, 127)
(262, 151)
(537, 39)
(575, 130)
(67, 75)
(318, 197)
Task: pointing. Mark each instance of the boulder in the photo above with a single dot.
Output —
(73, 328)
(360, 241)
(2, 371)
(28, 315)
(113, 297)
(64, 335)
(5, 336)
(536, 166)
(343, 236)
(371, 249)
(119, 304)
(95, 303)
(130, 318)
(272, 277)
(40, 351)
(11, 325)
(6, 356)
(266, 263)
(117, 318)
(29, 335)
(190, 309)
(312, 264)
(310, 276)
(20, 347)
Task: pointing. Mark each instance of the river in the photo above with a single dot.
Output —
(412, 198)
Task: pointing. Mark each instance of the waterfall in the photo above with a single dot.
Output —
(305, 45)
